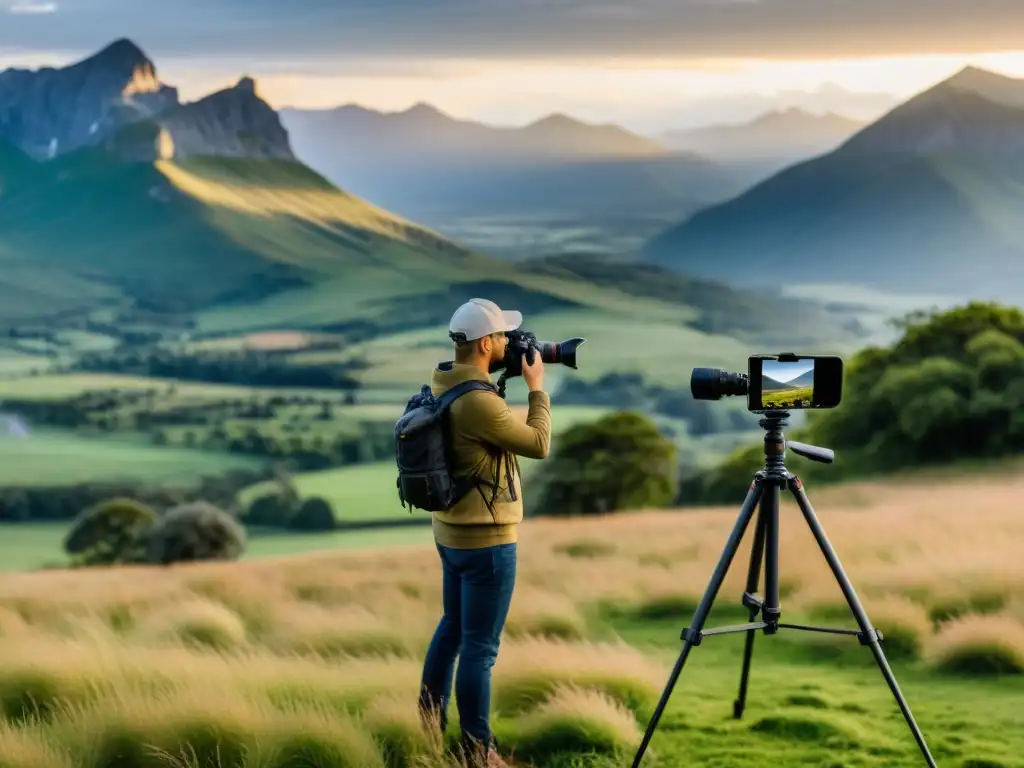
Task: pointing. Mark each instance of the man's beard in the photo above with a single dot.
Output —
(496, 365)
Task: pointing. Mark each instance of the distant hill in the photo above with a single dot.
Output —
(926, 199)
(767, 382)
(423, 130)
(432, 167)
(179, 235)
(803, 380)
(772, 141)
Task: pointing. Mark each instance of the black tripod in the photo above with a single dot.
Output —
(772, 479)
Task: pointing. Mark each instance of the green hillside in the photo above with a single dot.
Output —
(223, 247)
(925, 200)
(195, 233)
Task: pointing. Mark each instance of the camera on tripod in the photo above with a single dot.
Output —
(774, 385)
(781, 382)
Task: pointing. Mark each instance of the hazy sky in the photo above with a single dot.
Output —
(649, 64)
(783, 372)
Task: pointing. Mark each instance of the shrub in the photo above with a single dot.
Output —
(275, 508)
(110, 532)
(315, 514)
(196, 531)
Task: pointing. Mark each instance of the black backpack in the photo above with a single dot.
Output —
(423, 450)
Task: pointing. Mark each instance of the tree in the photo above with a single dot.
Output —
(315, 514)
(618, 462)
(113, 531)
(195, 531)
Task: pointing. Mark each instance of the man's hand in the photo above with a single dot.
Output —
(533, 373)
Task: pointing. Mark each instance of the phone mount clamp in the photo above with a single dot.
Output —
(764, 493)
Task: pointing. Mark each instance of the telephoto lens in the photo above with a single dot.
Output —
(714, 384)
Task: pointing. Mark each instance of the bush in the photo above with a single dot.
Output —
(621, 461)
(275, 508)
(196, 531)
(112, 531)
(315, 514)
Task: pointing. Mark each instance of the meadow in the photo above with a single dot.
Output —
(55, 456)
(787, 398)
(314, 659)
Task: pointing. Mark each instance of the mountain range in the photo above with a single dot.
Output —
(927, 199)
(124, 208)
(51, 112)
(803, 380)
(770, 142)
(428, 165)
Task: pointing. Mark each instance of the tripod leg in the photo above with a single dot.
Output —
(869, 635)
(753, 577)
(691, 635)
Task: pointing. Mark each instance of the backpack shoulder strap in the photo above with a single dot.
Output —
(449, 396)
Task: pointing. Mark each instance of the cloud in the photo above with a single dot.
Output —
(530, 29)
(29, 7)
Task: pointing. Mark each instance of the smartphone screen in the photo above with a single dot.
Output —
(794, 382)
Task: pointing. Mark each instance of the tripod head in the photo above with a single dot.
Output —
(775, 444)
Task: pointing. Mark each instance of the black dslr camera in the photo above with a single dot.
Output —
(524, 343)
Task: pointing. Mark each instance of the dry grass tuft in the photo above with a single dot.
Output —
(528, 672)
(575, 720)
(544, 614)
(197, 623)
(980, 644)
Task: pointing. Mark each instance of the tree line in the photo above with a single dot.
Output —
(251, 368)
(950, 388)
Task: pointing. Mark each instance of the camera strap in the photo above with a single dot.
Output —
(510, 462)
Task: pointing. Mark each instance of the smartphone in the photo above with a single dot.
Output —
(789, 382)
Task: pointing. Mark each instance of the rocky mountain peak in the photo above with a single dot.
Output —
(123, 54)
(51, 111)
(246, 84)
(233, 122)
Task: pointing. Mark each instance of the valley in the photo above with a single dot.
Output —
(189, 318)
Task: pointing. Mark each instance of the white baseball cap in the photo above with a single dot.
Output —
(479, 317)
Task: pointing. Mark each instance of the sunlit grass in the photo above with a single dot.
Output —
(319, 655)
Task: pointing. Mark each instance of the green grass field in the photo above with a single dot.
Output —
(56, 457)
(28, 546)
(365, 492)
(788, 398)
(664, 350)
(55, 386)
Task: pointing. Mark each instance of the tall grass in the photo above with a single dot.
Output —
(317, 658)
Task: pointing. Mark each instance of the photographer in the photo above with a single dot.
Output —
(476, 538)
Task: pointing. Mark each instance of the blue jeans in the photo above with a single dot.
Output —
(477, 591)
